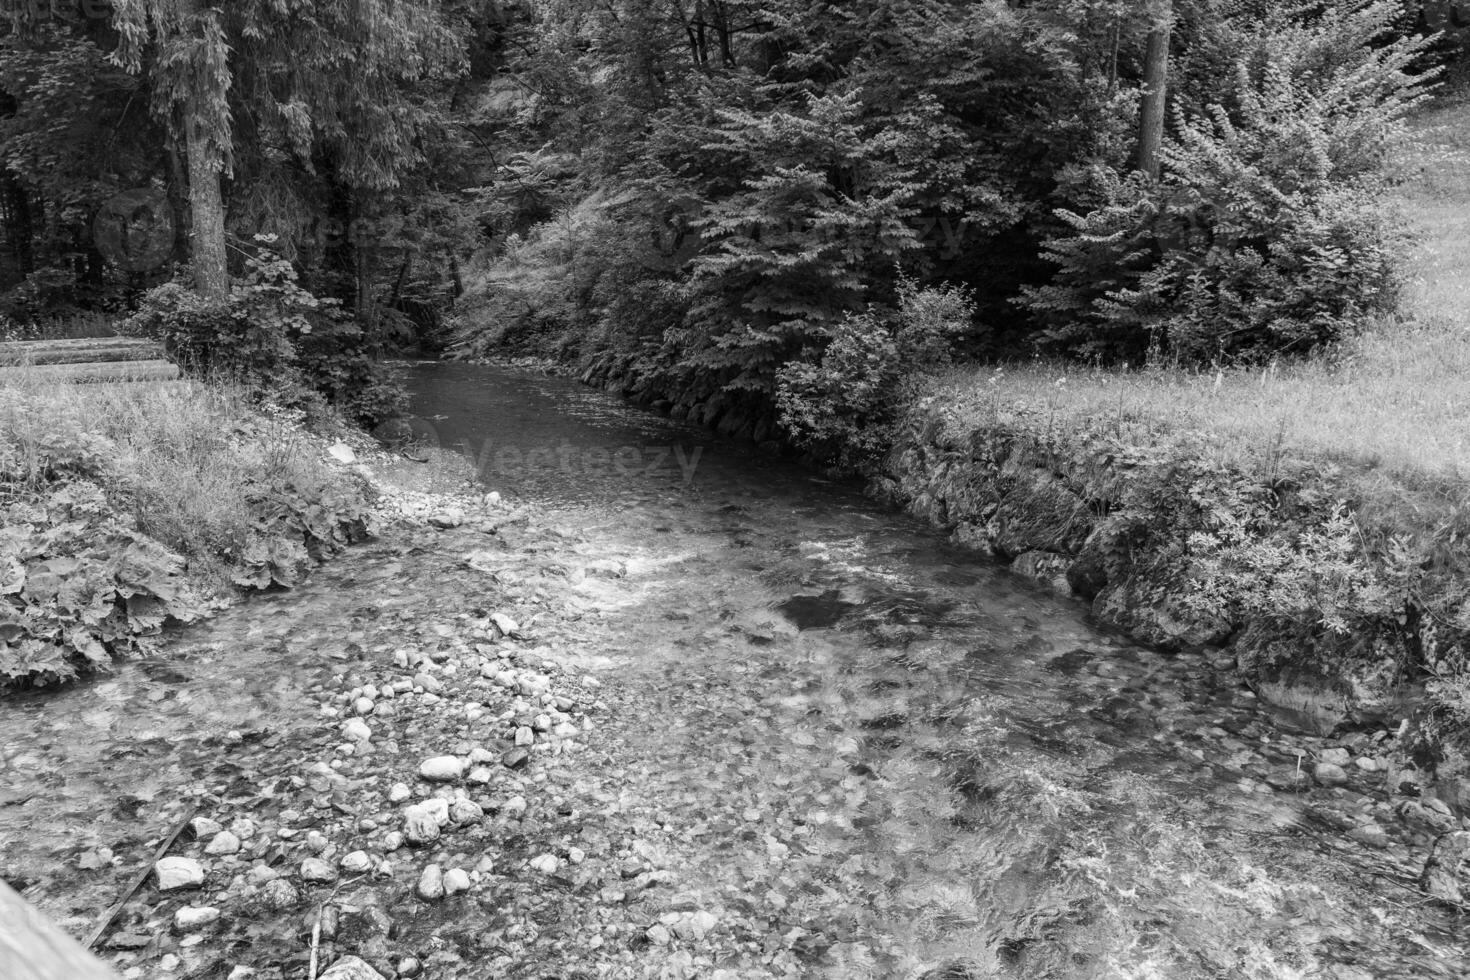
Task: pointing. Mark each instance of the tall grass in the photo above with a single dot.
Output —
(184, 459)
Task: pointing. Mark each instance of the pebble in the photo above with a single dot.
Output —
(516, 758)
(431, 884)
(524, 736)
(465, 812)
(576, 855)
(456, 880)
(315, 869)
(316, 842)
(178, 872)
(357, 730)
(392, 841)
(658, 935)
(357, 862)
(244, 828)
(190, 919)
(350, 968)
(504, 623)
(480, 776)
(1336, 756)
(428, 682)
(545, 863)
(363, 706)
(204, 827)
(442, 768)
(223, 842)
(514, 807)
(399, 793)
(420, 827)
(280, 894)
(1330, 774)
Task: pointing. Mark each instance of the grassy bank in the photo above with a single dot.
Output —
(1313, 517)
(127, 507)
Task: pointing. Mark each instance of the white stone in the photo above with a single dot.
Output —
(399, 793)
(431, 884)
(315, 869)
(456, 880)
(576, 855)
(357, 730)
(514, 807)
(480, 776)
(437, 808)
(524, 736)
(357, 862)
(419, 826)
(545, 863)
(504, 623)
(350, 968)
(244, 828)
(393, 840)
(189, 919)
(204, 827)
(363, 706)
(342, 453)
(223, 842)
(465, 812)
(443, 768)
(178, 872)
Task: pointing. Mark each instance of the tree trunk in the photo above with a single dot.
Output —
(1155, 88)
(206, 211)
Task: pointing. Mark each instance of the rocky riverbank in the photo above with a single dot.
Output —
(1346, 623)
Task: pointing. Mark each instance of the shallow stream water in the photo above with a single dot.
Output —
(893, 757)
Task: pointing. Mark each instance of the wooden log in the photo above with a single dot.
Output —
(81, 373)
(71, 352)
(32, 947)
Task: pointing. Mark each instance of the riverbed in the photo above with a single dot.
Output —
(848, 748)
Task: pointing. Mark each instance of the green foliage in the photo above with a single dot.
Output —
(272, 336)
(81, 585)
(1268, 234)
(845, 406)
(122, 511)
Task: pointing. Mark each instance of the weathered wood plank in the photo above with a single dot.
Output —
(155, 370)
(32, 947)
(43, 352)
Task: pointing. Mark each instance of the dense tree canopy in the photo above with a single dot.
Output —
(701, 191)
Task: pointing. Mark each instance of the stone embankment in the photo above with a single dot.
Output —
(1343, 627)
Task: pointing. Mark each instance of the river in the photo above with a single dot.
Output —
(872, 753)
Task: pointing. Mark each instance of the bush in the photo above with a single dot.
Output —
(122, 509)
(1267, 234)
(844, 406)
(273, 337)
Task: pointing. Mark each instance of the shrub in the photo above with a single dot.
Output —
(1267, 234)
(274, 337)
(122, 508)
(844, 406)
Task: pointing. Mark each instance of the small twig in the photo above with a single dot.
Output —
(141, 877)
(316, 941)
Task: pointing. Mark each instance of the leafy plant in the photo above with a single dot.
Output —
(1267, 234)
(80, 586)
(844, 406)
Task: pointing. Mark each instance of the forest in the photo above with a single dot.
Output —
(735, 207)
